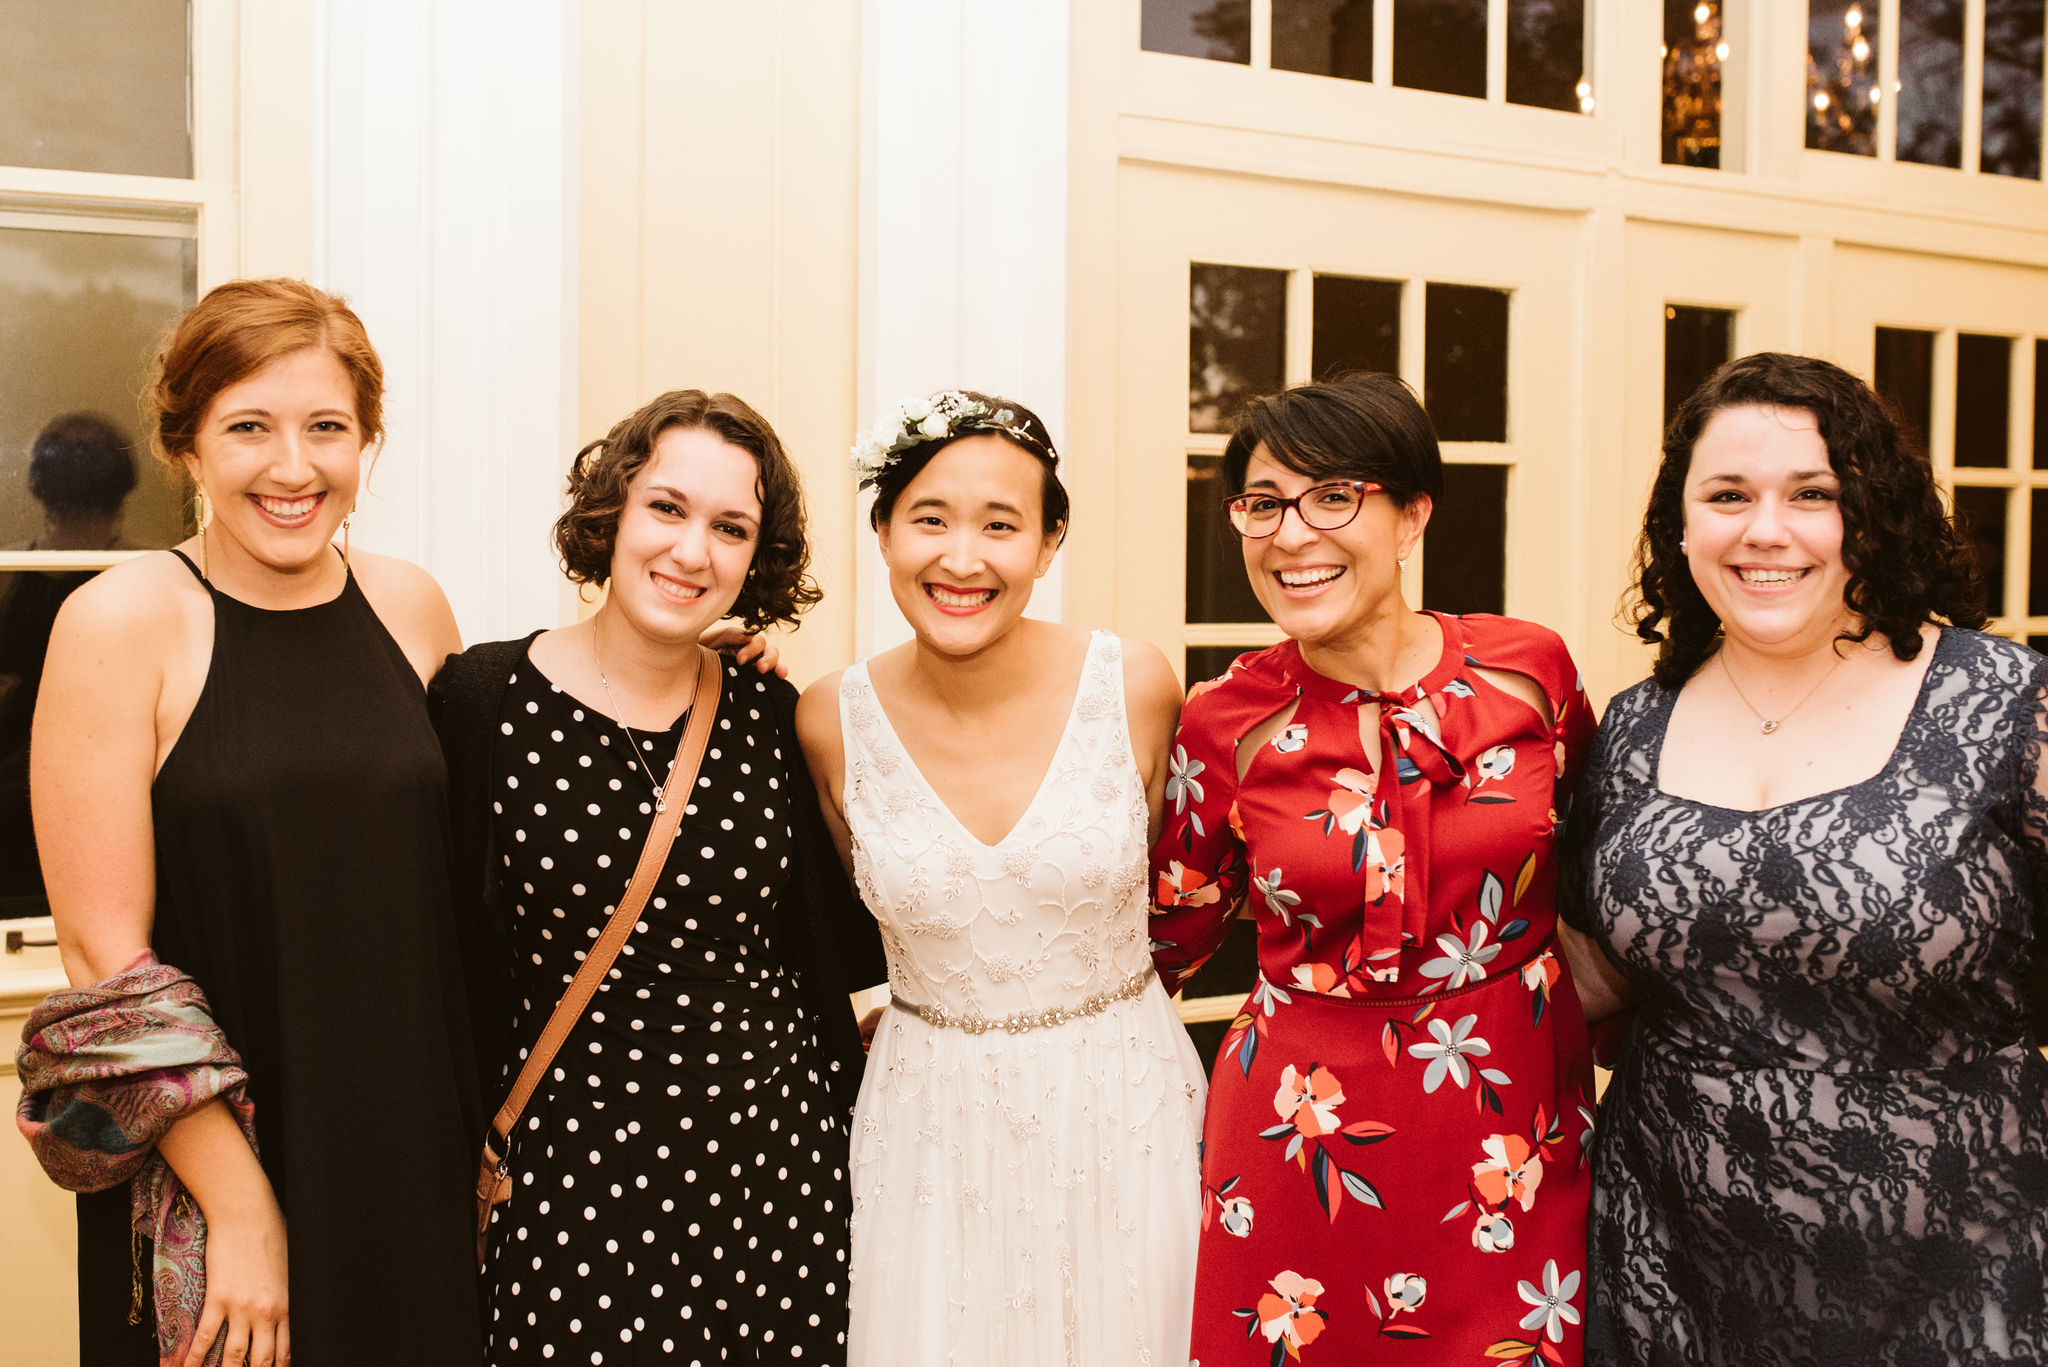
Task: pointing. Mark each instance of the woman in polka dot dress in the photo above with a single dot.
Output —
(679, 1178)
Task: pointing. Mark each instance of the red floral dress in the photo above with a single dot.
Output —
(1394, 1165)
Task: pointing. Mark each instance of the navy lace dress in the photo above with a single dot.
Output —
(1827, 1139)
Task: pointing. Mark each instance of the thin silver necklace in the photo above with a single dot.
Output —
(1771, 724)
(619, 716)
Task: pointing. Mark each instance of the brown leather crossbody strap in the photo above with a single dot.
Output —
(675, 798)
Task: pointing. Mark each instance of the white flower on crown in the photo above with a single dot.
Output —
(933, 418)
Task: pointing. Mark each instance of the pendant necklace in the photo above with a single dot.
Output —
(619, 716)
(1771, 724)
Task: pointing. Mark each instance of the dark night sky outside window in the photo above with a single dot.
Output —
(1697, 342)
(1237, 341)
(1323, 37)
(1931, 82)
(1983, 514)
(1546, 53)
(1220, 30)
(1983, 399)
(1357, 326)
(2012, 88)
(1441, 45)
(1465, 362)
(1905, 375)
(1464, 559)
(1841, 76)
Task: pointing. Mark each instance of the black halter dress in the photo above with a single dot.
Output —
(301, 864)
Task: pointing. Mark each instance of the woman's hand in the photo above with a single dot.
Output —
(868, 1025)
(1603, 991)
(246, 1297)
(745, 647)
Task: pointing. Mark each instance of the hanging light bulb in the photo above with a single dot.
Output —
(1861, 48)
(1703, 13)
(1853, 20)
(1721, 51)
(1820, 100)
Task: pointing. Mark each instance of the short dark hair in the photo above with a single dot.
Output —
(905, 465)
(81, 463)
(778, 589)
(1908, 564)
(1364, 425)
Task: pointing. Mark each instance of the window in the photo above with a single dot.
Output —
(1905, 375)
(1435, 45)
(2011, 142)
(1930, 82)
(1694, 54)
(90, 277)
(1242, 342)
(1697, 342)
(1842, 93)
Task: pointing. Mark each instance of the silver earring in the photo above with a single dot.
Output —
(1401, 563)
(1681, 546)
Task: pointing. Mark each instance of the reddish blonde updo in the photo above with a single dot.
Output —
(238, 329)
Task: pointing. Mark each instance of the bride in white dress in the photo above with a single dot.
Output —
(1026, 1181)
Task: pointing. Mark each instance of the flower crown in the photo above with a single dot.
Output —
(946, 414)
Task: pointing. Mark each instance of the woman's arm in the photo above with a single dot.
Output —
(412, 607)
(1152, 703)
(817, 729)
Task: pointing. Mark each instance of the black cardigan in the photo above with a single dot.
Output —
(822, 931)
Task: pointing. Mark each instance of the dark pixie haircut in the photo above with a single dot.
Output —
(81, 463)
(1364, 425)
(906, 464)
(1907, 563)
(777, 587)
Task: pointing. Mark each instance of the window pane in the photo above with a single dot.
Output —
(1931, 82)
(1842, 93)
(1207, 662)
(1237, 341)
(2037, 557)
(1982, 513)
(1324, 37)
(1905, 375)
(1357, 326)
(1220, 30)
(1469, 571)
(28, 607)
(96, 85)
(2012, 88)
(1693, 53)
(1230, 970)
(1217, 590)
(1983, 399)
(1547, 64)
(1465, 362)
(2037, 643)
(1441, 45)
(1697, 342)
(2041, 407)
(80, 316)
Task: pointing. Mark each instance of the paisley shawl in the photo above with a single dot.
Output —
(105, 1071)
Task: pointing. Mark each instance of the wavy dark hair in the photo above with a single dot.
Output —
(778, 587)
(1908, 564)
(905, 465)
(1362, 425)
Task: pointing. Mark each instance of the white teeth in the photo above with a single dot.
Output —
(287, 507)
(1304, 579)
(1770, 576)
(678, 591)
(952, 598)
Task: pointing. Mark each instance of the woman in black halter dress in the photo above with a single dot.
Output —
(234, 768)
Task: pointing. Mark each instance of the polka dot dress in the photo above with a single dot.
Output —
(679, 1178)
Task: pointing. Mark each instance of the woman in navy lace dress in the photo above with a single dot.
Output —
(1815, 846)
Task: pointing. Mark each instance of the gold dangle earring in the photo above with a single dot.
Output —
(199, 524)
(350, 517)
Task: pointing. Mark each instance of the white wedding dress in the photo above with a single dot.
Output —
(1028, 1195)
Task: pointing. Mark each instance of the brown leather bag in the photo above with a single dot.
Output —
(494, 1175)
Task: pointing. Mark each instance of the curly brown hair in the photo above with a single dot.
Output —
(1908, 564)
(778, 587)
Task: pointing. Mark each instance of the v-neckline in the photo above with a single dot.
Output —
(1044, 779)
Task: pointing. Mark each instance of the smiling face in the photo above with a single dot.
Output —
(1763, 523)
(1325, 587)
(965, 542)
(686, 535)
(279, 455)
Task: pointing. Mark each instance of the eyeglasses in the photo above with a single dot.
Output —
(1326, 507)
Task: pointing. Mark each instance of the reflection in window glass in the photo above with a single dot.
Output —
(1983, 399)
(2012, 88)
(2037, 558)
(1547, 65)
(28, 608)
(96, 85)
(80, 316)
(1697, 342)
(2041, 410)
(1469, 572)
(1693, 55)
(1842, 93)
(1465, 362)
(1905, 375)
(1441, 45)
(1209, 662)
(1982, 513)
(1324, 37)
(1357, 326)
(1930, 82)
(1220, 30)
(1237, 341)
(1217, 589)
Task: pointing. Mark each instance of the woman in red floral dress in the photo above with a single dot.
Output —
(1394, 1163)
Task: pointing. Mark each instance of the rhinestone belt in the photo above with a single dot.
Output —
(1030, 1020)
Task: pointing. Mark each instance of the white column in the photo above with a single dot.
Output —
(963, 227)
(447, 145)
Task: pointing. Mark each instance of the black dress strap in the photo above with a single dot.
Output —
(190, 566)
